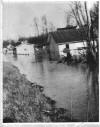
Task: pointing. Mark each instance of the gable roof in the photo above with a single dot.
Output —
(60, 36)
(39, 40)
(69, 35)
(68, 27)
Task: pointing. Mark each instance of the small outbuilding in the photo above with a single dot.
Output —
(25, 48)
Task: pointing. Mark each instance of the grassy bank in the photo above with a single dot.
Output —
(24, 101)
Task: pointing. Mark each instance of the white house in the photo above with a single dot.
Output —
(25, 49)
(57, 42)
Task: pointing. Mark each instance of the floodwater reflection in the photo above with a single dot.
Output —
(71, 87)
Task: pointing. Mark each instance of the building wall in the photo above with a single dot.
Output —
(61, 48)
(73, 48)
(54, 50)
(25, 49)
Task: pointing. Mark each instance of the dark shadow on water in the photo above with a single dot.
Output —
(15, 57)
(93, 92)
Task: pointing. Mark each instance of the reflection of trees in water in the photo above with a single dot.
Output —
(92, 92)
(15, 57)
(90, 70)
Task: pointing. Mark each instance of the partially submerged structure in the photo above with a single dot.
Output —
(25, 48)
(67, 37)
(51, 41)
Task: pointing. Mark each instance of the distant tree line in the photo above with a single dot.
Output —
(10, 42)
(5, 44)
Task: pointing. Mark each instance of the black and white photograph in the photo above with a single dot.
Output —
(50, 53)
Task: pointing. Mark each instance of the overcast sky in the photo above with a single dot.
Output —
(18, 17)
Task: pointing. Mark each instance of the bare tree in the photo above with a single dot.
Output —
(36, 25)
(80, 13)
(94, 14)
(51, 27)
(44, 24)
(68, 19)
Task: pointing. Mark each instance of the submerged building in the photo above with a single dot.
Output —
(52, 44)
(73, 37)
(25, 48)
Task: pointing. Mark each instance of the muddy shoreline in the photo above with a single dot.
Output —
(24, 101)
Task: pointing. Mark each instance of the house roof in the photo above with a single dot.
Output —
(69, 35)
(21, 44)
(39, 40)
(60, 36)
(67, 27)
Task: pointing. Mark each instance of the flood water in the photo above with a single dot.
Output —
(67, 85)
